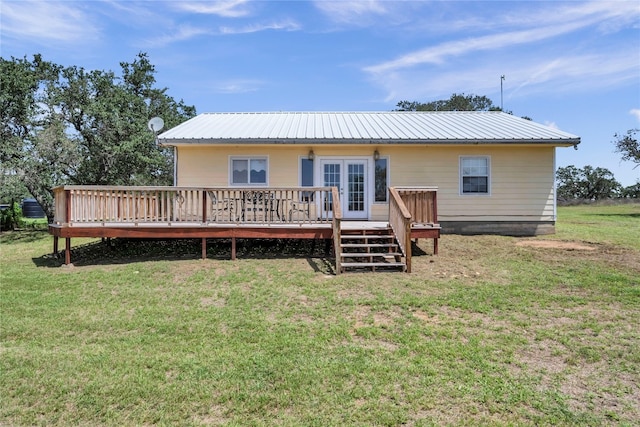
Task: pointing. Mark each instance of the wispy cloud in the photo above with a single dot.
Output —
(531, 74)
(187, 32)
(438, 54)
(558, 21)
(238, 86)
(46, 22)
(180, 34)
(513, 44)
(254, 28)
(352, 12)
(136, 14)
(594, 71)
(223, 8)
(636, 113)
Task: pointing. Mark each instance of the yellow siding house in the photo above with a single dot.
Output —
(494, 171)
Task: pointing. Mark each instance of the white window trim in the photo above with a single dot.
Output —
(461, 189)
(249, 158)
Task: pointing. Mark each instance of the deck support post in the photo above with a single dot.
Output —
(435, 246)
(55, 246)
(67, 251)
(233, 248)
(204, 248)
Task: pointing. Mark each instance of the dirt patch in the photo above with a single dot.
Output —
(556, 244)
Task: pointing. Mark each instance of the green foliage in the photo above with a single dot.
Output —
(67, 125)
(629, 146)
(586, 184)
(11, 217)
(11, 187)
(632, 191)
(457, 102)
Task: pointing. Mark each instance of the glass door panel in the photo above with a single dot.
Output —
(350, 177)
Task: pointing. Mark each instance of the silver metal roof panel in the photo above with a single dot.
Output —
(393, 127)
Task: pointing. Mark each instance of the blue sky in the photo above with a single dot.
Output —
(573, 65)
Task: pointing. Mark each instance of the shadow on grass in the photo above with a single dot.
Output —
(629, 215)
(124, 251)
(417, 250)
(22, 236)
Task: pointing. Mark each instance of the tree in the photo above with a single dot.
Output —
(66, 125)
(457, 102)
(587, 183)
(629, 146)
(631, 192)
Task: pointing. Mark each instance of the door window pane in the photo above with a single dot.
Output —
(331, 178)
(356, 187)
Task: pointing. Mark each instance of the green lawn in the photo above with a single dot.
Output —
(493, 331)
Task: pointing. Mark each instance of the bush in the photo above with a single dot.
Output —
(11, 217)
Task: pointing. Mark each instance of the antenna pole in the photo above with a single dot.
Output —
(501, 98)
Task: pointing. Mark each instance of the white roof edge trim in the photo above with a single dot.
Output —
(556, 142)
(391, 127)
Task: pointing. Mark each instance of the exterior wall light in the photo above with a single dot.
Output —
(311, 155)
(376, 155)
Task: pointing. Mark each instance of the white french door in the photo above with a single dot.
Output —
(351, 178)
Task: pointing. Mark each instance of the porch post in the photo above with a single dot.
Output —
(233, 248)
(67, 202)
(55, 246)
(204, 248)
(67, 251)
(204, 206)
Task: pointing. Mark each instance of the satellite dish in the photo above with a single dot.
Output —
(155, 124)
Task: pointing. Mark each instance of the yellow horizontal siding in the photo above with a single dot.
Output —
(521, 176)
(209, 166)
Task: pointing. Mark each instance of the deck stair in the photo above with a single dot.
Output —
(370, 249)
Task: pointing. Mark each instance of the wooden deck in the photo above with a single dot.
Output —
(229, 213)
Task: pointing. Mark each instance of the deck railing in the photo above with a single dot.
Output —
(400, 221)
(84, 205)
(421, 202)
(409, 206)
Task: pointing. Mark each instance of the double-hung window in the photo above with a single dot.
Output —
(475, 175)
(249, 170)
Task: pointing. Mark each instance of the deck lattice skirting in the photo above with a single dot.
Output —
(195, 212)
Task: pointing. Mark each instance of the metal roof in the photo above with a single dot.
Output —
(392, 127)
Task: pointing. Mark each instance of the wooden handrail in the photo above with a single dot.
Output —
(400, 221)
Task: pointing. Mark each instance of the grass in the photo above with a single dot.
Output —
(492, 331)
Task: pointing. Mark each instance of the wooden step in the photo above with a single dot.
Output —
(372, 264)
(364, 240)
(367, 238)
(368, 245)
(370, 254)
